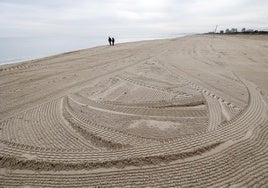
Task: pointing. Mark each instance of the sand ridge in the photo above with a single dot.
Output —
(185, 112)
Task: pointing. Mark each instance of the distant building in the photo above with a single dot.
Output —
(243, 30)
(234, 30)
(250, 30)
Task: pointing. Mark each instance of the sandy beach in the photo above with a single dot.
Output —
(184, 112)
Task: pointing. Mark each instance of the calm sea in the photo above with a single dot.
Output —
(19, 49)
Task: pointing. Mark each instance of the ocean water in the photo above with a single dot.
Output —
(17, 49)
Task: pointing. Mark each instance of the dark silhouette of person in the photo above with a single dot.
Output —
(113, 41)
(110, 41)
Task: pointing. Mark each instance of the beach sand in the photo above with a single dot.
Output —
(184, 112)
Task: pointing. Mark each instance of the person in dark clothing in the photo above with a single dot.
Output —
(110, 41)
(113, 41)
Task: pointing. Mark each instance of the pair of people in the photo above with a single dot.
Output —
(111, 41)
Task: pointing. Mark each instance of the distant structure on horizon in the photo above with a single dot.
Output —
(235, 31)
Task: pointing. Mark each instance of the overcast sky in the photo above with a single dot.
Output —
(127, 18)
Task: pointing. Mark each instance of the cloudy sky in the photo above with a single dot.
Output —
(137, 18)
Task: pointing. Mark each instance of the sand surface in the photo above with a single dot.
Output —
(186, 112)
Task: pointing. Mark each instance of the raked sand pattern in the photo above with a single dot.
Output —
(186, 112)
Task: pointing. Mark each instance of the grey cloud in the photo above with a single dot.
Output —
(127, 18)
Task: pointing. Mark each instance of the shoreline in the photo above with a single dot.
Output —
(4, 64)
(32, 60)
(26, 60)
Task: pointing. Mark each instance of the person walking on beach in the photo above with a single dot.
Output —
(110, 41)
(113, 41)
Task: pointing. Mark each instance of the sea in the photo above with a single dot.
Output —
(18, 49)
